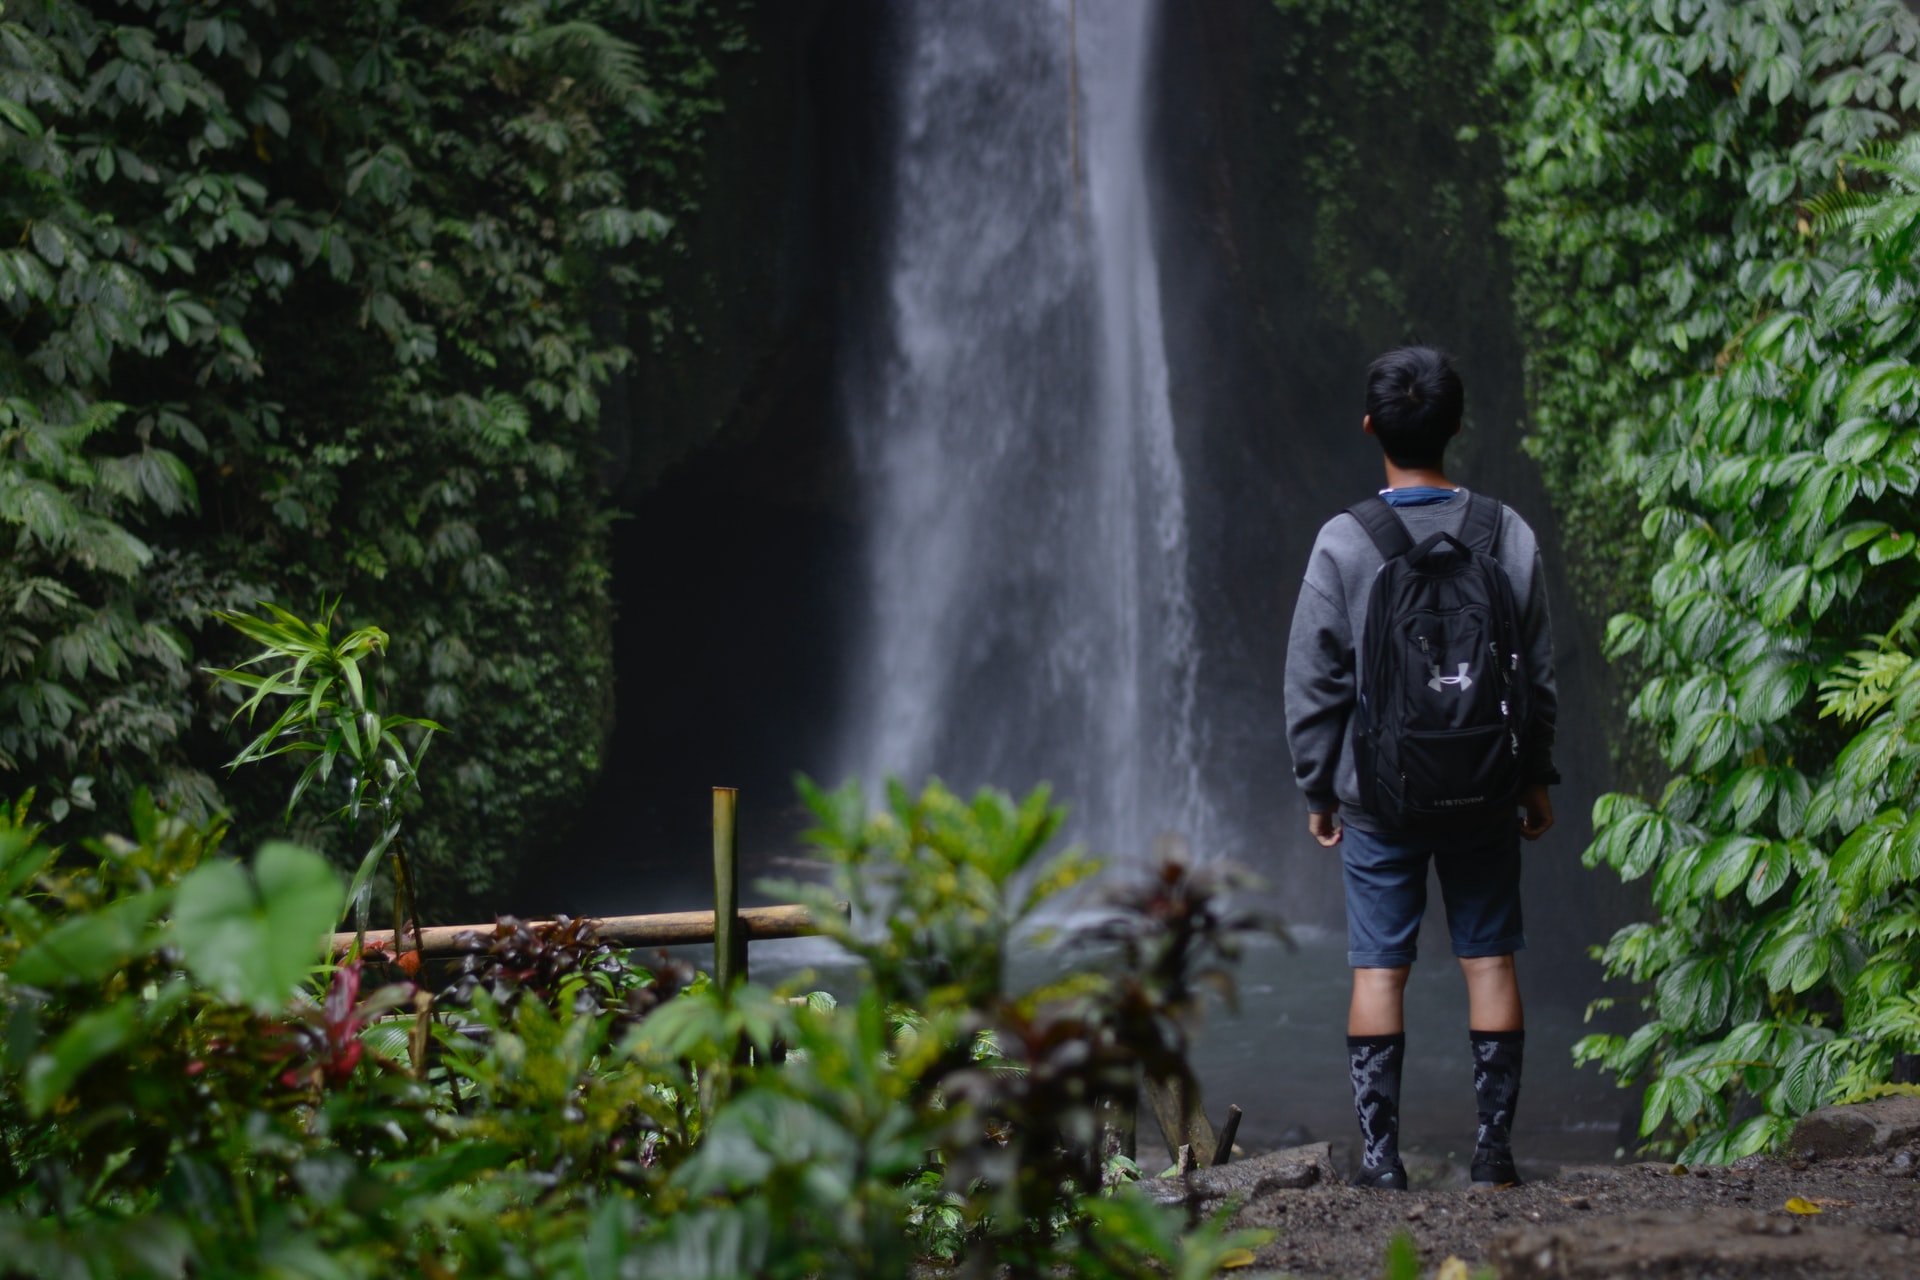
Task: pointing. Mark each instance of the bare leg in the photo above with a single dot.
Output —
(1378, 1007)
(1493, 993)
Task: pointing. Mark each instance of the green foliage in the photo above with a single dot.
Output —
(1657, 156)
(308, 302)
(561, 1112)
(333, 715)
(1775, 481)
(936, 897)
(246, 937)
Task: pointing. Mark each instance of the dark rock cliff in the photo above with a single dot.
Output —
(1327, 192)
(732, 559)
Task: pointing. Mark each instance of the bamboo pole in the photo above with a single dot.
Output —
(1223, 1151)
(663, 929)
(1183, 1122)
(729, 939)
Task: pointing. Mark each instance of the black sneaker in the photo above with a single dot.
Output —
(1494, 1169)
(1388, 1177)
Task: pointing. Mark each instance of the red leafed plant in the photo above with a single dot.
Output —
(327, 1040)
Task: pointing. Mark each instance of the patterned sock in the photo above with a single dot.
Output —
(1373, 1064)
(1497, 1056)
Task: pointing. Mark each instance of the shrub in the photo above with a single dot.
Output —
(1776, 487)
(178, 1096)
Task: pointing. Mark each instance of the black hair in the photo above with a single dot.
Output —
(1415, 400)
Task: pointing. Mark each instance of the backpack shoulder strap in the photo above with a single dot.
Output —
(1376, 516)
(1480, 527)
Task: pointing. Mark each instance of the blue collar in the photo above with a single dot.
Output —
(1418, 495)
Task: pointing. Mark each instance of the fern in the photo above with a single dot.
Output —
(1864, 683)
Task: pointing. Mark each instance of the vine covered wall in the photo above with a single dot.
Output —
(1715, 209)
(306, 304)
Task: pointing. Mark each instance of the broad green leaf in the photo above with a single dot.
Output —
(1857, 440)
(1771, 688)
(1796, 960)
(1771, 867)
(1779, 601)
(1694, 994)
(1804, 1078)
(21, 118)
(1894, 546)
(1726, 863)
(88, 947)
(253, 937)
(1624, 634)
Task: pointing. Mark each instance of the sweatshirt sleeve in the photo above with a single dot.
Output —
(1537, 631)
(1319, 684)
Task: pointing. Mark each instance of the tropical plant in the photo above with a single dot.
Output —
(178, 1096)
(332, 715)
(1785, 961)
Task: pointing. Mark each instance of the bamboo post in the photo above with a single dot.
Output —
(729, 938)
(1183, 1122)
(1224, 1151)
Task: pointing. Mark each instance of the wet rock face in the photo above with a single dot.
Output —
(1858, 1129)
(1722, 1243)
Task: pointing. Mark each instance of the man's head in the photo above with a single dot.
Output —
(1414, 403)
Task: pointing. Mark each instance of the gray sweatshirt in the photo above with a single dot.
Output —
(1327, 626)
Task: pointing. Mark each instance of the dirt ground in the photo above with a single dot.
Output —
(1601, 1220)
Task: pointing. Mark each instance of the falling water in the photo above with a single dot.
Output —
(1030, 613)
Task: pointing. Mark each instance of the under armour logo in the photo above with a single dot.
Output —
(1439, 682)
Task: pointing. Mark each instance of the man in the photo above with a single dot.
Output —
(1362, 758)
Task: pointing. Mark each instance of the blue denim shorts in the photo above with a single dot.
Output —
(1386, 878)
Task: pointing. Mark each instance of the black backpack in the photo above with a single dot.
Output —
(1439, 732)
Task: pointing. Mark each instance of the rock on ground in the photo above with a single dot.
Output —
(1858, 1129)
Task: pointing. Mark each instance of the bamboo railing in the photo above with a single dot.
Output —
(728, 926)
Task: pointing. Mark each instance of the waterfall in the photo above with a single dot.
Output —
(1029, 611)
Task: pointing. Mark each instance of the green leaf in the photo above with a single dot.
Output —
(92, 1036)
(1725, 864)
(252, 938)
(1857, 440)
(1772, 687)
(1796, 960)
(360, 891)
(1625, 632)
(1847, 538)
(1770, 869)
(1779, 600)
(351, 670)
(1863, 864)
(22, 119)
(1694, 994)
(1805, 1078)
(22, 857)
(1894, 546)
(88, 947)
